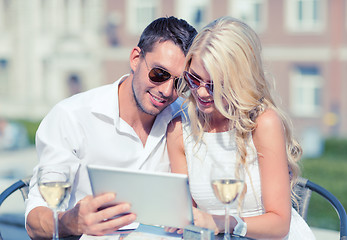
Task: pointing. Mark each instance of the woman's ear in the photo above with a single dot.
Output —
(134, 58)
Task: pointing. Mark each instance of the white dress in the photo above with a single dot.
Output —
(223, 146)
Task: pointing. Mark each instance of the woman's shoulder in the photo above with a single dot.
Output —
(268, 119)
(175, 125)
(268, 124)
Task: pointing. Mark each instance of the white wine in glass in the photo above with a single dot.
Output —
(227, 190)
(54, 184)
(227, 181)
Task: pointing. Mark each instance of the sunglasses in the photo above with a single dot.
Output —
(195, 83)
(159, 75)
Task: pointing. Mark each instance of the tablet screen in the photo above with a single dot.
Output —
(156, 198)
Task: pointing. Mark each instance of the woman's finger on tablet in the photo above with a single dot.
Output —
(172, 230)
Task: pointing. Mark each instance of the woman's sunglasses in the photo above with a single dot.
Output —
(195, 83)
(159, 75)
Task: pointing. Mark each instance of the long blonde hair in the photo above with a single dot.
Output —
(231, 53)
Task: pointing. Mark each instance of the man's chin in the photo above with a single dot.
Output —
(155, 111)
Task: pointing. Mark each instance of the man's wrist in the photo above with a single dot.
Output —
(67, 224)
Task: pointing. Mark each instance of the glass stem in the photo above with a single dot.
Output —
(55, 229)
(227, 223)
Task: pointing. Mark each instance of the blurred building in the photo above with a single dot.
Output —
(51, 49)
(48, 51)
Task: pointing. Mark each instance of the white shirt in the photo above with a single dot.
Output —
(86, 129)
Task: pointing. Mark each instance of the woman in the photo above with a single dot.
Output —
(229, 101)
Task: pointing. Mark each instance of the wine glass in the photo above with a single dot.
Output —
(227, 180)
(54, 183)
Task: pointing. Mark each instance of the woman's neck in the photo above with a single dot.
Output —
(218, 124)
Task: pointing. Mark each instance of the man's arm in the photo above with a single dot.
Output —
(85, 218)
(60, 140)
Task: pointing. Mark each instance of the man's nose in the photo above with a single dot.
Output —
(167, 88)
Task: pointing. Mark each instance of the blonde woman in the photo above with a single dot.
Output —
(232, 115)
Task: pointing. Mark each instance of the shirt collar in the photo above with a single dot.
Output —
(105, 104)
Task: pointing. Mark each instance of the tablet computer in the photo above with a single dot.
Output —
(156, 198)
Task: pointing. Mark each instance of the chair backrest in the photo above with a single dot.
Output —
(304, 188)
(22, 185)
(303, 197)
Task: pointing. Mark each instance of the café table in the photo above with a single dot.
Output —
(144, 232)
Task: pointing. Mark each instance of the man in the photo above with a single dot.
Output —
(120, 125)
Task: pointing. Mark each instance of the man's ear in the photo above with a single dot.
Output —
(135, 58)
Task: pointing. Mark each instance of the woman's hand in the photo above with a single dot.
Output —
(201, 219)
(172, 230)
(205, 220)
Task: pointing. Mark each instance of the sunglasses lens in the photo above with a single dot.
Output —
(195, 83)
(191, 80)
(158, 75)
(209, 88)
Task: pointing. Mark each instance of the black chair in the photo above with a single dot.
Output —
(304, 188)
(18, 220)
(23, 186)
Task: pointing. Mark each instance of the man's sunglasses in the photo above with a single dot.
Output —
(159, 75)
(195, 83)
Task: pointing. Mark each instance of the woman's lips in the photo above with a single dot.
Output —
(205, 102)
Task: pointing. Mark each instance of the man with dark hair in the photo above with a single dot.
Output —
(118, 125)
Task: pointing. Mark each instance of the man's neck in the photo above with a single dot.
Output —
(129, 111)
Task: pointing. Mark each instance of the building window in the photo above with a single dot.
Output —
(194, 11)
(72, 11)
(4, 77)
(250, 11)
(305, 15)
(111, 28)
(140, 14)
(91, 10)
(74, 84)
(6, 15)
(46, 16)
(306, 91)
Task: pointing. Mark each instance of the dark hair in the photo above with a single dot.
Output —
(167, 29)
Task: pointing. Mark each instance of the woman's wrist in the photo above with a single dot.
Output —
(240, 228)
(220, 222)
